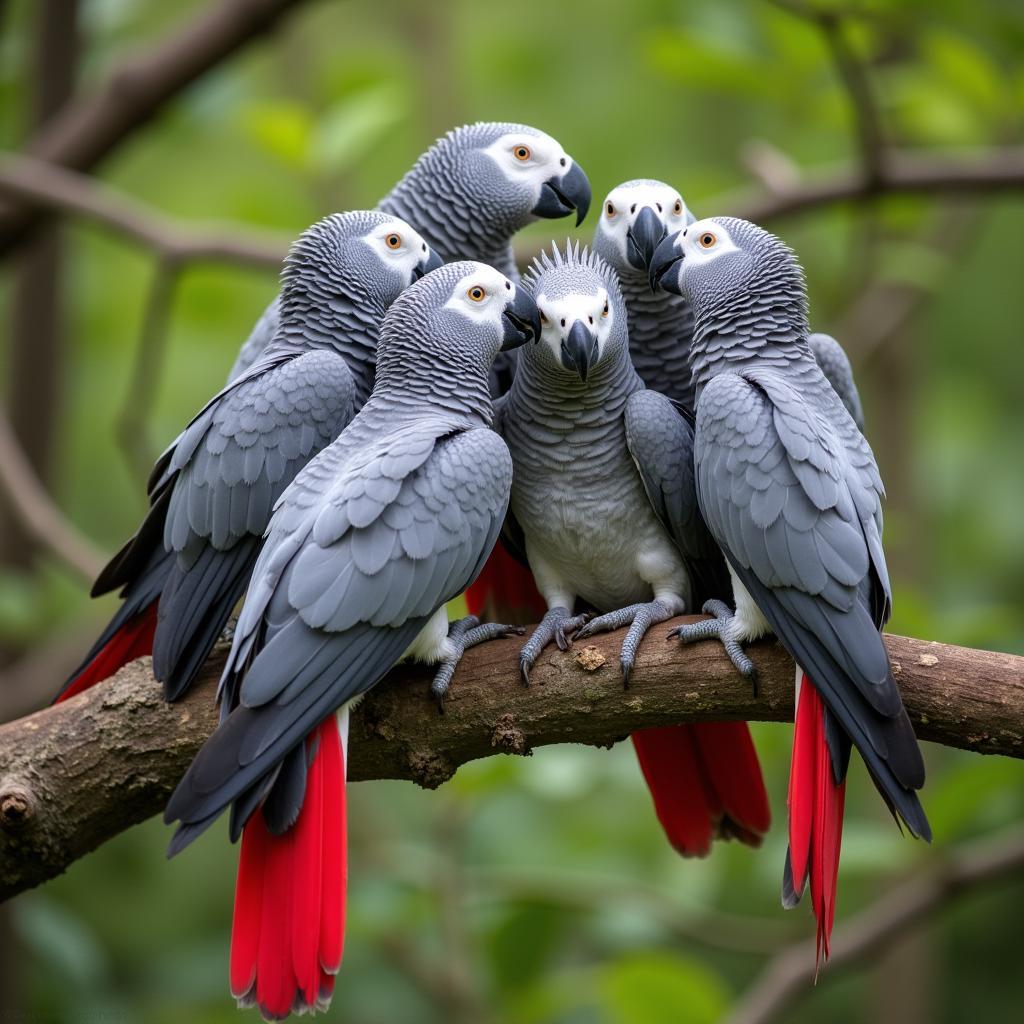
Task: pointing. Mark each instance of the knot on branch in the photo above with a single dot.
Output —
(17, 806)
(508, 736)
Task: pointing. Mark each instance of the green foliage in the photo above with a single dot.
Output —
(568, 906)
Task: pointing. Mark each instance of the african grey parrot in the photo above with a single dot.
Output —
(212, 491)
(603, 500)
(468, 195)
(789, 488)
(364, 549)
(635, 217)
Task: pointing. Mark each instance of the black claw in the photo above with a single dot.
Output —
(524, 671)
(627, 668)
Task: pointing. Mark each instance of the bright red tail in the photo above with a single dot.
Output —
(816, 804)
(706, 783)
(133, 640)
(505, 592)
(289, 924)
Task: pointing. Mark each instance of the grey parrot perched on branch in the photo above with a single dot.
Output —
(212, 491)
(468, 195)
(789, 488)
(603, 497)
(365, 547)
(635, 217)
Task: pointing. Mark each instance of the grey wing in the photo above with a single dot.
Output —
(660, 440)
(798, 514)
(835, 365)
(259, 338)
(345, 583)
(235, 459)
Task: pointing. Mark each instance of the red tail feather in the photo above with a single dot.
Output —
(505, 592)
(288, 930)
(816, 805)
(133, 640)
(706, 783)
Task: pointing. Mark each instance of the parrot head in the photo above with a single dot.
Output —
(457, 319)
(635, 217)
(582, 313)
(718, 259)
(506, 175)
(360, 255)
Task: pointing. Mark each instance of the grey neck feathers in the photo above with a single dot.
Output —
(761, 325)
(660, 333)
(546, 394)
(340, 317)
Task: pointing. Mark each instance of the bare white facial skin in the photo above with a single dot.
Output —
(529, 160)
(481, 296)
(704, 241)
(593, 310)
(622, 206)
(399, 246)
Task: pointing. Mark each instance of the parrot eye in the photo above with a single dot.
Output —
(476, 293)
(393, 241)
(521, 153)
(609, 209)
(707, 240)
(604, 312)
(678, 208)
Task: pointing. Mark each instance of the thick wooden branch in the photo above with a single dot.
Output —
(137, 89)
(75, 775)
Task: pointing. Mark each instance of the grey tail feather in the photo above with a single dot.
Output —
(194, 610)
(133, 558)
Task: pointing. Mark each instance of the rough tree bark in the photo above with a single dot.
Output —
(77, 774)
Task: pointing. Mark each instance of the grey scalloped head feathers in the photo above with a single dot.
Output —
(575, 256)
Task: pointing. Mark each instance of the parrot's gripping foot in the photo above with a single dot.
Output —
(463, 634)
(558, 624)
(722, 627)
(639, 618)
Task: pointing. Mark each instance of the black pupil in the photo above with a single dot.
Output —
(393, 241)
(707, 239)
(611, 209)
(522, 154)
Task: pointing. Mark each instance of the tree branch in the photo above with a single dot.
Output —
(862, 940)
(38, 515)
(137, 89)
(44, 185)
(74, 775)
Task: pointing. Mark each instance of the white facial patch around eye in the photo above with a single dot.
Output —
(696, 253)
(497, 292)
(562, 313)
(406, 255)
(627, 202)
(546, 159)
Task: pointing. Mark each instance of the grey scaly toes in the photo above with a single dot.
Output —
(719, 627)
(557, 622)
(639, 617)
(463, 634)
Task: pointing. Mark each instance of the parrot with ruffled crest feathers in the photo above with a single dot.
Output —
(365, 547)
(212, 491)
(467, 196)
(789, 489)
(604, 506)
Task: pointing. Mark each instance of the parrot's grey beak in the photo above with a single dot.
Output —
(559, 196)
(430, 262)
(643, 238)
(579, 350)
(665, 257)
(522, 321)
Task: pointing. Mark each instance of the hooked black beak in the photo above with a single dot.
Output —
(429, 262)
(579, 350)
(522, 321)
(643, 238)
(561, 195)
(665, 257)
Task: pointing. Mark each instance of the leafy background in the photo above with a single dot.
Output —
(541, 890)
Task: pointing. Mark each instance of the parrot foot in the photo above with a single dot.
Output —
(556, 624)
(639, 617)
(721, 626)
(463, 634)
